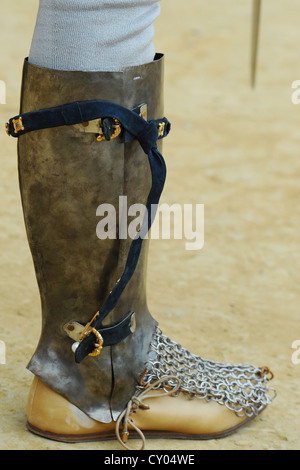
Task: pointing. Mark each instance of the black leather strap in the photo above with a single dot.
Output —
(78, 112)
(117, 332)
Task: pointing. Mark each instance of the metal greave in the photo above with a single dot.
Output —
(64, 176)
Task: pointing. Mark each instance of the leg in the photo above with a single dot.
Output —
(94, 35)
(65, 173)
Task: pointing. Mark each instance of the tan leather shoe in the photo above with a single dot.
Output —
(162, 407)
(52, 416)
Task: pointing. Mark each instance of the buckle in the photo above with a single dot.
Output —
(18, 125)
(161, 129)
(87, 331)
(95, 126)
(117, 131)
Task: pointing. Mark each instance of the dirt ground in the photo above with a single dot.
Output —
(233, 149)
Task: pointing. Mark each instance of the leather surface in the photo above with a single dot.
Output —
(64, 176)
(50, 412)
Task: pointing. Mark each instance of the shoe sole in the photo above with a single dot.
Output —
(68, 438)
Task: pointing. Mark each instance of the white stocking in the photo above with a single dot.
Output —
(102, 35)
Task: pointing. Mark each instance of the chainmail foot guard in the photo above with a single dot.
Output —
(243, 388)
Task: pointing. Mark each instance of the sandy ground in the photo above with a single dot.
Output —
(232, 149)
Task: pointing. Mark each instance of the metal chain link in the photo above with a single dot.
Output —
(243, 388)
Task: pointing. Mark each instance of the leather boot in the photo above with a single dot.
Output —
(126, 376)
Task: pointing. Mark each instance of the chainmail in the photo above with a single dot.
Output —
(243, 388)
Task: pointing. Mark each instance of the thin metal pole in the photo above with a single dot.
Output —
(254, 40)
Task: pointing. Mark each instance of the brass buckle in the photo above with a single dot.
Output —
(18, 125)
(87, 331)
(161, 129)
(117, 130)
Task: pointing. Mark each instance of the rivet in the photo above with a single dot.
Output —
(75, 346)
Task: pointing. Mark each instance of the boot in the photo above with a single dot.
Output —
(103, 368)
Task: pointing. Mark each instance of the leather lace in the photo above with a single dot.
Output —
(125, 419)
